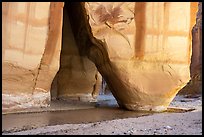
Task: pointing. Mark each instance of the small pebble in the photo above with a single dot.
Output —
(168, 127)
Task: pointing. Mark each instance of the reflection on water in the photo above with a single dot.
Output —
(106, 109)
(11, 121)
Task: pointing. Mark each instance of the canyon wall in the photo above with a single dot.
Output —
(142, 50)
(38, 62)
(30, 52)
(194, 87)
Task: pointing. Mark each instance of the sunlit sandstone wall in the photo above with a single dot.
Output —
(30, 52)
(149, 50)
(148, 46)
(32, 37)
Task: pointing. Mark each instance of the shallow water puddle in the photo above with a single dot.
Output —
(29, 120)
(25, 121)
(105, 109)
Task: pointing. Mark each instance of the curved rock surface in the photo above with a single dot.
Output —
(77, 78)
(146, 50)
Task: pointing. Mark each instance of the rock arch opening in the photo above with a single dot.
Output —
(130, 94)
(138, 88)
(77, 78)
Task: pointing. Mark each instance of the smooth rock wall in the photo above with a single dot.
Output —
(31, 33)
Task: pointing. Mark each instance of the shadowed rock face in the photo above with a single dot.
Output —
(143, 51)
(77, 78)
(194, 86)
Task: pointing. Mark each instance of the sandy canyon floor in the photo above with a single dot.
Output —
(107, 119)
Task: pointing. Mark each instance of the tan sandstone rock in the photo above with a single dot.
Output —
(31, 48)
(33, 53)
(144, 50)
(77, 78)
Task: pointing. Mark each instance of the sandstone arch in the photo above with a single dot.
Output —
(135, 81)
(148, 51)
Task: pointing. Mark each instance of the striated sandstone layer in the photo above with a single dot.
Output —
(31, 34)
(142, 50)
(33, 52)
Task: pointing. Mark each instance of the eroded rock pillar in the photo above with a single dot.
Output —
(142, 50)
